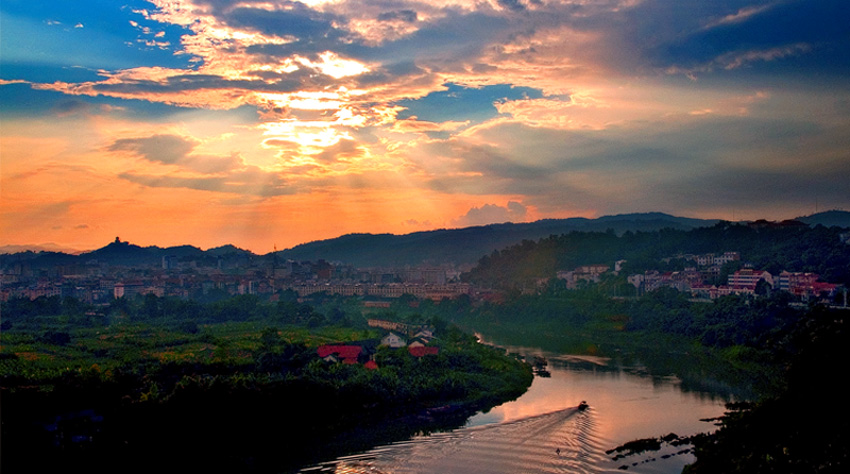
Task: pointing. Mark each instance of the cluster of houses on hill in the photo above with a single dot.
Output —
(747, 280)
(415, 338)
(707, 267)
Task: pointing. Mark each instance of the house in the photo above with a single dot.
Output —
(393, 340)
(421, 351)
(425, 333)
(588, 273)
(348, 354)
(418, 342)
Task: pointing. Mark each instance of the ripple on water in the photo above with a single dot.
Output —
(559, 442)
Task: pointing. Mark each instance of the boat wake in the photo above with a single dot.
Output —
(558, 442)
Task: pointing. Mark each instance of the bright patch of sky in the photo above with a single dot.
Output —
(99, 34)
(286, 121)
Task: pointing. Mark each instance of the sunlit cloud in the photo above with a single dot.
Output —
(739, 16)
(492, 213)
(473, 109)
(412, 125)
(738, 59)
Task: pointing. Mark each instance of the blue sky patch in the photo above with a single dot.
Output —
(98, 35)
(464, 103)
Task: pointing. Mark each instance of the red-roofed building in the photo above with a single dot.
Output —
(749, 278)
(420, 351)
(348, 354)
(371, 365)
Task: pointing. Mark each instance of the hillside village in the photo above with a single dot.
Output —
(704, 268)
(123, 270)
(95, 282)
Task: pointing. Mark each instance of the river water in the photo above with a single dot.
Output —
(543, 432)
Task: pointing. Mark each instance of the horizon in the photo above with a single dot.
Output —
(53, 247)
(267, 124)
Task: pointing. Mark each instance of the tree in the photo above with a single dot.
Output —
(269, 339)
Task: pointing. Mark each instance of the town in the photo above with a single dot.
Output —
(229, 274)
(209, 278)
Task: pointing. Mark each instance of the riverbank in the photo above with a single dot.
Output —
(251, 405)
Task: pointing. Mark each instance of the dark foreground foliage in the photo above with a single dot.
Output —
(804, 430)
(129, 391)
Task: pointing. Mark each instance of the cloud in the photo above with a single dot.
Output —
(416, 223)
(407, 16)
(72, 107)
(492, 214)
(227, 173)
(555, 105)
(252, 182)
(739, 16)
(412, 125)
(176, 150)
(167, 149)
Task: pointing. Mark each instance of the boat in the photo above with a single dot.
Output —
(583, 406)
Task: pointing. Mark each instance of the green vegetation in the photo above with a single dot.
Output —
(796, 248)
(724, 345)
(806, 428)
(235, 385)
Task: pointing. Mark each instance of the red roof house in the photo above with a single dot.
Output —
(348, 354)
(419, 351)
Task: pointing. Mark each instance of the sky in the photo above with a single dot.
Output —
(265, 124)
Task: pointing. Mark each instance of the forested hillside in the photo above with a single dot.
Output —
(772, 248)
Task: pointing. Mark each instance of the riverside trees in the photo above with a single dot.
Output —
(230, 385)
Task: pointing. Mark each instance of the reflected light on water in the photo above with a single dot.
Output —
(523, 435)
(557, 442)
(627, 406)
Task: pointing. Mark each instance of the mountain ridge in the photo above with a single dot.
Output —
(459, 246)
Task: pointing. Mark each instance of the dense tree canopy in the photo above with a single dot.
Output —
(772, 248)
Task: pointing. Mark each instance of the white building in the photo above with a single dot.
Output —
(393, 340)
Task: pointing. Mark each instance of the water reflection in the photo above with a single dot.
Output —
(557, 442)
(523, 435)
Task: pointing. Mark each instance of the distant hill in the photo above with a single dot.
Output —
(125, 253)
(834, 218)
(467, 245)
(456, 246)
(48, 247)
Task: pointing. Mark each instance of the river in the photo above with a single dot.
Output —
(543, 432)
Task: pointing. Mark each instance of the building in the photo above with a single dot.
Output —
(804, 285)
(710, 259)
(749, 278)
(588, 273)
(393, 340)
